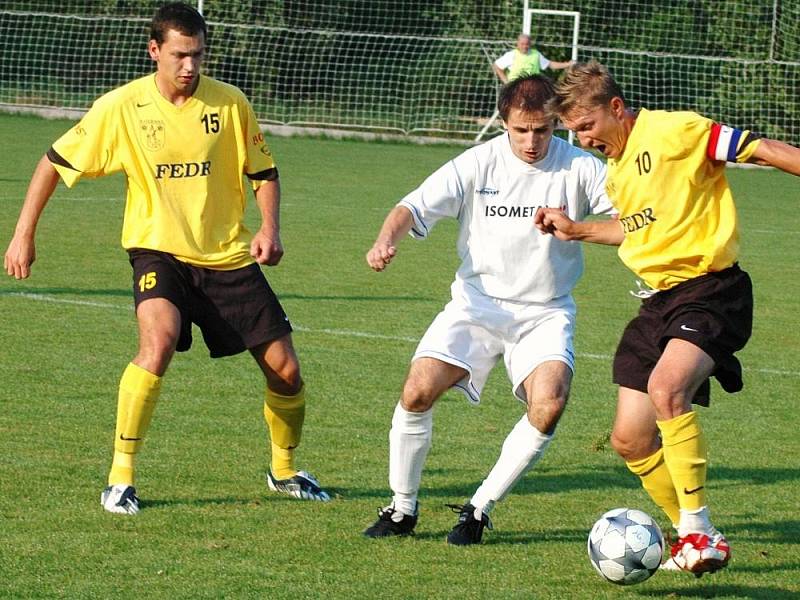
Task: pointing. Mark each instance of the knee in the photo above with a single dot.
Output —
(668, 400)
(417, 396)
(286, 380)
(155, 352)
(545, 412)
(630, 448)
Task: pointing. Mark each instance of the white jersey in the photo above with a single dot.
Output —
(494, 195)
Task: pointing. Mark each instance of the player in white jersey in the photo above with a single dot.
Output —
(511, 298)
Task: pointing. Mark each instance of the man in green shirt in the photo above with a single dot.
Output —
(524, 60)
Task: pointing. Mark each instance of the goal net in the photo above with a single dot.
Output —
(418, 67)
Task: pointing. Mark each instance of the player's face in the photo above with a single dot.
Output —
(178, 60)
(523, 44)
(530, 134)
(600, 127)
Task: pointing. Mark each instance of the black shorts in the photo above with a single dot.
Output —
(714, 312)
(235, 310)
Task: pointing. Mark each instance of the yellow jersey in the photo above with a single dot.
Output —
(184, 167)
(674, 201)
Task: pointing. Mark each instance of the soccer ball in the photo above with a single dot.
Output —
(625, 546)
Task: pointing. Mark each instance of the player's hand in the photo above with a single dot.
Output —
(380, 255)
(19, 257)
(555, 222)
(266, 248)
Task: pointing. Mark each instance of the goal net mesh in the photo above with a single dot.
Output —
(418, 67)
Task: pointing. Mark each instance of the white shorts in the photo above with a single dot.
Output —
(474, 331)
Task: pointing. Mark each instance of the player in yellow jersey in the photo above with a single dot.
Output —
(677, 231)
(185, 143)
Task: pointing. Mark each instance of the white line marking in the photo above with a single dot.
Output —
(337, 332)
(43, 298)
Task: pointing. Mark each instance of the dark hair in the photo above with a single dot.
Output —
(178, 16)
(585, 86)
(528, 93)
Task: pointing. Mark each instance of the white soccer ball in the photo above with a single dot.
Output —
(625, 546)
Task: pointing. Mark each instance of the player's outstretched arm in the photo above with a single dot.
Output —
(772, 153)
(397, 224)
(266, 246)
(21, 250)
(556, 223)
(560, 65)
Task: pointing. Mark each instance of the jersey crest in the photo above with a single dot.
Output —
(152, 134)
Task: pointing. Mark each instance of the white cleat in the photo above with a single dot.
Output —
(302, 486)
(120, 499)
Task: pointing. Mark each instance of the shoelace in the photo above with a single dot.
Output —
(386, 513)
(642, 291)
(462, 511)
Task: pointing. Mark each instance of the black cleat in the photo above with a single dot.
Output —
(469, 529)
(388, 523)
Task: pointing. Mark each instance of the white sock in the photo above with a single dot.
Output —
(695, 521)
(522, 448)
(409, 442)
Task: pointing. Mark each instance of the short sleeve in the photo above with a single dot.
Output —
(259, 164)
(544, 62)
(506, 60)
(599, 204)
(441, 195)
(89, 149)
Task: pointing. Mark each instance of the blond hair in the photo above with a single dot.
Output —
(585, 86)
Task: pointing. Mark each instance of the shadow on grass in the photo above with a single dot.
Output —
(14, 291)
(755, 475)
(553, 481)
(765, 532)
(199, 502)
(763, 567)
(714, 590)
(11, 291)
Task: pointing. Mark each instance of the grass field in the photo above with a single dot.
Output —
(210, 529)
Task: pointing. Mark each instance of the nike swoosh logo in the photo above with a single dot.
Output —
(142, 105)
(127, 439)
(685, 328)
(695, 490)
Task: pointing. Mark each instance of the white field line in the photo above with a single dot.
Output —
(335, 332)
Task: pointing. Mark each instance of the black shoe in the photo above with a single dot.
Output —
(468, 530)
(388, 524)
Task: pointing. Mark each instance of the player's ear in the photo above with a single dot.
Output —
(617, 106)
(153, 49)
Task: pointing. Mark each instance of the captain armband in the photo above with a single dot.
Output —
(729, 144)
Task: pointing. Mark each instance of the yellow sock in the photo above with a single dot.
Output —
(685, 454)
(656, 481)
(284, 416)
(138, 392)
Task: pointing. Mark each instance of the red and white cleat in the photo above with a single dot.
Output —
(701, 553)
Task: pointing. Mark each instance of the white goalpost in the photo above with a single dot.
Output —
(527, 21)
